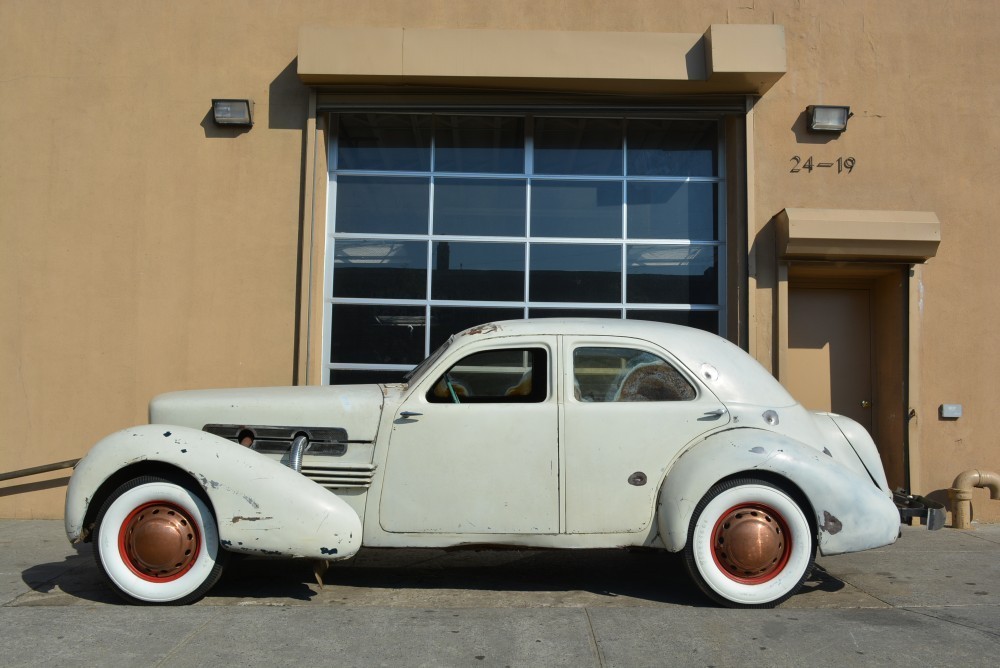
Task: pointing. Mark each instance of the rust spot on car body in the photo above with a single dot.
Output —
(831, 524)
(488, 328)
(638, 479)
(241, 518)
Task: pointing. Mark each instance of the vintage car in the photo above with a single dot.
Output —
(546, 433)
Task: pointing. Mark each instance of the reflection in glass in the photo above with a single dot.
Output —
(706, 320)
(575, 273)
(672, 275)
(574, 313)
(379, 268)
(478, 271)
(364, 376)
(447, 320)
(479, 207)
(417, 183)
(515, 375)
(576, 208)
(626, 374)
(398, 142)
(377, 334)
(578, 146)
(487, 144)
(382, 204)
(660, 147)
(663, 210)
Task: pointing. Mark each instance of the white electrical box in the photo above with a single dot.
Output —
(951, 411)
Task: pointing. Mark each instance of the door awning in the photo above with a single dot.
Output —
(858, 235)
(734, 59)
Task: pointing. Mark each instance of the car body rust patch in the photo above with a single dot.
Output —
(488, 328)
(831, 524)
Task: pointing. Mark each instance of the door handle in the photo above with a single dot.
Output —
(409, 414)
(865, 403)
(718, 412)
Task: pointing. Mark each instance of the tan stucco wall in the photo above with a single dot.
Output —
(144, 250)
(921, 79)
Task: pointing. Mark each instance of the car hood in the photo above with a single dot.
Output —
(355, 408)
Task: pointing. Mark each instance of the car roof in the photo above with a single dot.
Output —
(665, 334)
(732, 374)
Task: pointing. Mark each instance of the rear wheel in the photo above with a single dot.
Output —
(749, 544)
(157, 542)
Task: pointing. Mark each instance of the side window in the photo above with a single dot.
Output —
(626, 374)
(512, 375)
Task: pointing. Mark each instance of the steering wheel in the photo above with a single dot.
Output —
(451, 388)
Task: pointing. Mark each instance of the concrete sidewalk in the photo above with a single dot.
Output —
(931, 598)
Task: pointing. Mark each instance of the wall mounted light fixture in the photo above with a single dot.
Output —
(828, 118)
(238, 113)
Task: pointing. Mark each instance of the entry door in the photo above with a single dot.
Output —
(476, 450)
(829, 351)
(631, 410)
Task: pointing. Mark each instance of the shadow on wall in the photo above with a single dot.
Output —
(941, 496)
(989, 511)
(803, 136)
(287, 106)
(764, 249)
(694, 61)
(24, 488)
(213, 131)
(287, 100)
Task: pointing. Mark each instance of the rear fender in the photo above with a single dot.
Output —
(261, 506)
(849, 512)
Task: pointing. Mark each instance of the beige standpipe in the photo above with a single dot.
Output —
(961, 494)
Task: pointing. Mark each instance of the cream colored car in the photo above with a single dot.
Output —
(542, 433)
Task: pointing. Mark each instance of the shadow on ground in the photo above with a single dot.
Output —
(407, 577)
(521, 577)
(76, 576)
(585, 576)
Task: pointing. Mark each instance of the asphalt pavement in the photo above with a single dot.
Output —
(933, 598)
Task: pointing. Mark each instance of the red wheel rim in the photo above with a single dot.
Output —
(159, 541)
(751, 543)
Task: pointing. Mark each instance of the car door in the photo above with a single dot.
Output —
(632, 408)
(474, 448)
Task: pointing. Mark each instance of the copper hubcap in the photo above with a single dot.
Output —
(750, 543)
(159, 541)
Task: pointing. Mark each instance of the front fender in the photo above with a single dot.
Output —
(261, 506)
(850, 513)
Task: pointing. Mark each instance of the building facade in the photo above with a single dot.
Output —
(415, 168)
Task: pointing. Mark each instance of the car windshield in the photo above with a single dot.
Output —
(418, 371)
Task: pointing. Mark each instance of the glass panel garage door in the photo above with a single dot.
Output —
(438, 222)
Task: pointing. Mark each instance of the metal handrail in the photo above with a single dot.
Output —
(35, 470)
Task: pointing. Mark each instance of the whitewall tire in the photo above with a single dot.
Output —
(749, 544)
(158, 542)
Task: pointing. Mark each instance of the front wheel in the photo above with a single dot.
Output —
(158, 542)
(749, 544)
